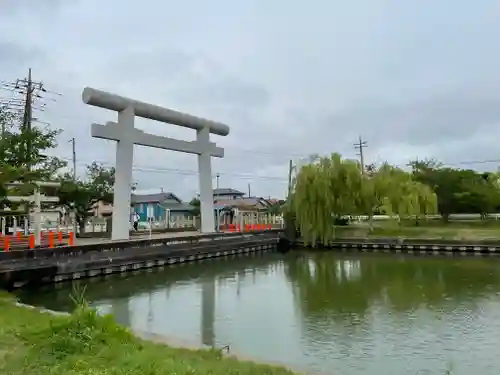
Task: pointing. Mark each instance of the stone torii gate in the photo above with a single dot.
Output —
(127, 135)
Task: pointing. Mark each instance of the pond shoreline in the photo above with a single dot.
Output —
(174, 343)
(433, 246)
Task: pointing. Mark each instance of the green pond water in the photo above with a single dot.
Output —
(318, 311)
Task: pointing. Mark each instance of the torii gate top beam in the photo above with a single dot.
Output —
(118, 103)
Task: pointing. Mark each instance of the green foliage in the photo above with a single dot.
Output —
(195, 203)
(275, 208)
(23, 148)
(460, 190)
(325, 190)
(398, 194)
(331, 188)
(17, 164)
(328, 190)
(37, 343)
(80, 196)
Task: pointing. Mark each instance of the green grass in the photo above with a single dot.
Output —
(33, 342)
(455, 231)
(438, 233)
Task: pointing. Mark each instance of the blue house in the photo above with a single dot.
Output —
(154, 206)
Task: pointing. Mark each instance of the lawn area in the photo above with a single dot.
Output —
(451, 231)
(33, 342)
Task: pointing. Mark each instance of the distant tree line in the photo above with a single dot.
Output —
(458, 190)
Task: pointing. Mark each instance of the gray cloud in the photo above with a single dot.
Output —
(291, 79)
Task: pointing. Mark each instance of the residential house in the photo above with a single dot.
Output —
(227, 194)
(156, 206)
(275, 201)
(230, 203)
(227, 197)
(102, 209)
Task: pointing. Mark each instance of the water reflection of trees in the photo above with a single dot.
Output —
(347, 287)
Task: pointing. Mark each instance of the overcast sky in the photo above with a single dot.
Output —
(291, 78)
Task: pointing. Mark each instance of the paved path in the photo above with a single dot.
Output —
(90, 241)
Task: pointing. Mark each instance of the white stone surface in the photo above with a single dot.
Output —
(126, 136)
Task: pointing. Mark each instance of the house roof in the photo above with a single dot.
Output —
(167, 199)
(154, 198)
(227, 191)
(178, 206)
(243, 202)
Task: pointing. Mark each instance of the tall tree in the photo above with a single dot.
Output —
(460, 190)
(80, 196)
(195, 203)
(332, 188)
(17, 165)
(401, 196)
(324, 191)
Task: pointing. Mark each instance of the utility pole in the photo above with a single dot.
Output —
(28, 114)
(290, 171)
(360, 145)
(74, 157)
(249, 195)
(3, 129)
(217, 177)
(27, 96)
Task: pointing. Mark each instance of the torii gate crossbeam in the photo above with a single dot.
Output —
(127, 135)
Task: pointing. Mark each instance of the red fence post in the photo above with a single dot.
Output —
(32, 241)
(51, 239)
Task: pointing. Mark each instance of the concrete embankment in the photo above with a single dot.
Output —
(414, 245)
(19, 268)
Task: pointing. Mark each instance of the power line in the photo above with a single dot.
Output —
(26, 95)
(26, 92)
(184, 172)
(360, 145)
(307, 156)
(191, 172)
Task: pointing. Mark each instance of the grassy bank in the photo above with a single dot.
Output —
(451, 231)
(32, 342)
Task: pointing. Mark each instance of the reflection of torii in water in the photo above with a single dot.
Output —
(208, 312)
(150, 312)
(121, 311)
(239, 278)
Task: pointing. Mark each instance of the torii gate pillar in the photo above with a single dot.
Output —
(205, 178)
(123, 177)
(127, 135)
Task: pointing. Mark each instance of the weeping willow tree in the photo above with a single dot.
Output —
(330, 188)
(324, 191)
(400, 196)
